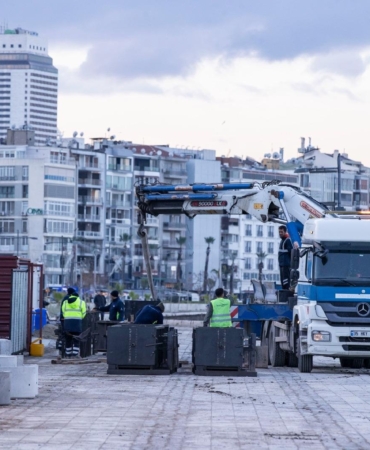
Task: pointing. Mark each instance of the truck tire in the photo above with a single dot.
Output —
(305, 362)
(357, 363)
(345, 362)
(291, 360)
(276, 355)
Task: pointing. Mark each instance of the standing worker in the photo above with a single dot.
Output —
(151, 315)
(116, 308)
(73, 311)
(99, 301)
(218, 311)
(285, 251)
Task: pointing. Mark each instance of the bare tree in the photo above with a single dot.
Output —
(209, 240)
(181, 241)
(124, 238)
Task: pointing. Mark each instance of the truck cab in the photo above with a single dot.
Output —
(332, 315)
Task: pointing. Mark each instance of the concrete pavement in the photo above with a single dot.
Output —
(80, 407)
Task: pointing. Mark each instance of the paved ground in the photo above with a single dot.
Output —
(80, 407)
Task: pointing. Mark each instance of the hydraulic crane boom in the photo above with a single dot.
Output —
(266, 202)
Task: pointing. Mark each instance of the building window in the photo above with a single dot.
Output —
(7, 173)
(24, 226)
(248, 263)
(259, 231)
(248, 247)
(270, 248)
(6, 191)
(11, 46)
(24, 173)
(7, 226)
(270, 264)
(19, 45)
(25, 191)
(259, 246)
(270, 232)
(248, 230)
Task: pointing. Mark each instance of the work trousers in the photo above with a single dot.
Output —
(72, 345)
(285, 277)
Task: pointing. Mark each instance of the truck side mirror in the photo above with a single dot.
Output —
(294, 277)
(294, 259)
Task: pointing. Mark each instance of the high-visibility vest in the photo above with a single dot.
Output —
(75, 310)
(221, 313)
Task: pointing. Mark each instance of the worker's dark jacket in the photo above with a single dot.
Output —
(149, 315)
(99, 300)
(116, 310)
(285, 251)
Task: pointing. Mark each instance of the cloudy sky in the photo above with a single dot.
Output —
(243, 77)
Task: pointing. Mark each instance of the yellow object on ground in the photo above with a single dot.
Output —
(36, 349)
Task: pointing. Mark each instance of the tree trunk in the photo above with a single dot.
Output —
(206, 270)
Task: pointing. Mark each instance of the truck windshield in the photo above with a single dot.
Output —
(343, 268)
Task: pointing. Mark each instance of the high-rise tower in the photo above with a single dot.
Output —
(28, 85)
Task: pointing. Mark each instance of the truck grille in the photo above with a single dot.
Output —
(356, 348)
(345, 313)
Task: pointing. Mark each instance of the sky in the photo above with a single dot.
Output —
(243, 77)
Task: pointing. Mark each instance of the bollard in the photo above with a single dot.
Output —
(4, 388)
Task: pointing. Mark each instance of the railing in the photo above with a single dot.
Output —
(112, 204)
(89, 234)
(84, 165)
(7, 248)
(89, 217)
(6, 213)
(173, 225)
(7, 178)
(121, 221)
(64, 162)
(146, 169)
(89, 199)
(119, 168)
(166, 243)
(175, 172)
(89, 181)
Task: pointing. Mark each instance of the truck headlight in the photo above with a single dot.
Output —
(321, 336)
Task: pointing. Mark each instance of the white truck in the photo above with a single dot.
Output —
(329, 312)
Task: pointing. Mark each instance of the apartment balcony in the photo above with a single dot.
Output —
(89, 166)
(174, 225)
(89, 182)
(8, 178)
(88, 199)
(146, 169)
(118, 205)
(171, 173)
(120, 221)
(116, 168)
(170, 244)
(89, 234)
(6, 213)
(89, 217)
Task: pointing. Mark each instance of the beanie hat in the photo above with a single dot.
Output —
(160, 306)
(70, 291)
(114, 294)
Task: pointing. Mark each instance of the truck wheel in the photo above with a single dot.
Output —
(305, 362)
(367, 363)
(276, 355)
(357, 363)
(345, 362)
(291, 360)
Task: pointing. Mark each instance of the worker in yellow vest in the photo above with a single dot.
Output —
(218, 311)
(73, 311)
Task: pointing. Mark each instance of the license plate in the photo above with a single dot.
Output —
(360, 333)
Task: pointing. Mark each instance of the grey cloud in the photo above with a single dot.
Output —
(346, 63)
(152, 39)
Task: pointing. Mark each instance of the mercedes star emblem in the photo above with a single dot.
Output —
(363, 309)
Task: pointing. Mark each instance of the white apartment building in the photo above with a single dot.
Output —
(28, 85)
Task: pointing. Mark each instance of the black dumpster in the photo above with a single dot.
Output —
(222, 352)
(142, 349)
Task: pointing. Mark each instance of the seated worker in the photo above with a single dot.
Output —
(116, 308)
(218, 311)
(151, 315)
